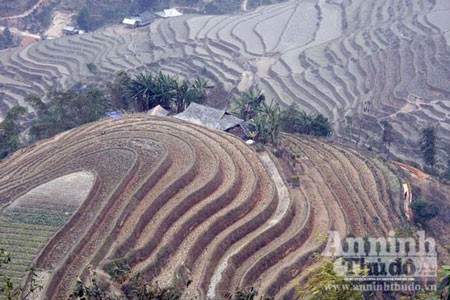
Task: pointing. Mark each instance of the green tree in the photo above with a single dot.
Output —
(117, 91)
(201, 86)
(267, 123)
(92, 68)
(320, 126)
(9, 131)
(198, 91)
(295, 121)
(272, 112)
(181, 92)
(165, 93)
(248, 104)
(387, 137)
(7, 39)
(424, 210)
(141, 90)
(86, 21)
(149, 90)
(428, 146)
(64, 110)
(186, 92)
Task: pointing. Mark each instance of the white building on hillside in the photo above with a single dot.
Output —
(169, 13)
(129, 21)
(141, 20)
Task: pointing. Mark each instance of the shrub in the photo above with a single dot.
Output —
(118, 270)
(64, 110)
(92, 68)
(428, 146)
(9, 131)
(295, 121)
(424, 210)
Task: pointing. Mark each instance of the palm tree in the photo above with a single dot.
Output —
(181, 91)
(149, 90)
(267, 123)
(428, 146)
(201, 86)
(273, 114)
(260, 123)
(248, 105)
(141, 90)
(165, 90)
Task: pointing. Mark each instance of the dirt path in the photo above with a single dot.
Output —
(16, 31)
(407, 193)
(416, 173)
(59, 20)
(26, 13)
(280, 212)
(263, 65)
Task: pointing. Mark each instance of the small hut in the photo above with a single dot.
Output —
(209, 117)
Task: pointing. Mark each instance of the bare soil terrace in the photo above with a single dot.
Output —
(179, 202)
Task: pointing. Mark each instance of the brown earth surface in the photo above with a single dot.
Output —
(179, 202)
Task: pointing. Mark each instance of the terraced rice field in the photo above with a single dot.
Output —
(373, 60)
(179, 202)
(28, 223)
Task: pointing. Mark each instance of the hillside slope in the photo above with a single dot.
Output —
(177, 201)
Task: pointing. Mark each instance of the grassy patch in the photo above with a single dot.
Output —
(394, 182)
(23, 233)
(31, 217)
(118, 269)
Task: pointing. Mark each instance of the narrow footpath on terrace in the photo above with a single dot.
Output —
(282, 208)
(25, 13)
(407, 194)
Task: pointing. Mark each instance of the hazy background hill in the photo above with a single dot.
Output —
(97, 13)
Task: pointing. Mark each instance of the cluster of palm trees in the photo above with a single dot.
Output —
(267, 123)
(248, 104)
(251, 106)
(149, 90)
(270, 119)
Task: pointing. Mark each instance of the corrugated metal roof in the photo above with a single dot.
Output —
(128, 21)
(142, 19)
(146, 16)
(209, 117)
(69, 28)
